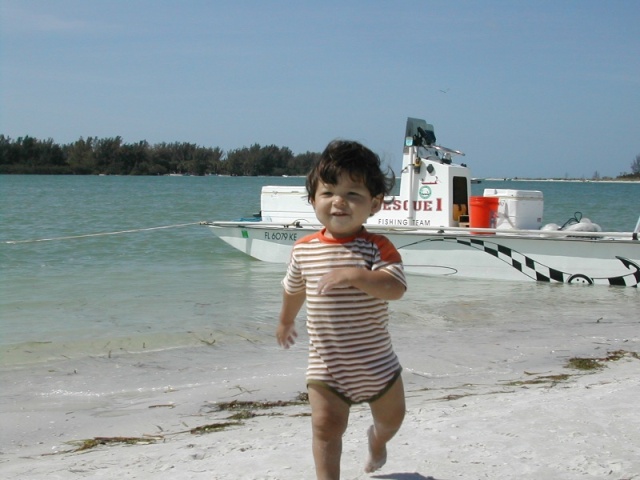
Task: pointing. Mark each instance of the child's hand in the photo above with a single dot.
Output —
(378, 283)
(338, 278)
(286, 335)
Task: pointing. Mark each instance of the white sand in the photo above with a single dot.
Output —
(586, 426)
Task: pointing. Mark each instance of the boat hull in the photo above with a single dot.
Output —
(496, 255)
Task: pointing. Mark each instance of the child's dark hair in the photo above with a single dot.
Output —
(356, 160)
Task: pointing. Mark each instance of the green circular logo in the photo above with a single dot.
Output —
(424, 192)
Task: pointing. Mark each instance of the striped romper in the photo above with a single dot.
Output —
(350, 349)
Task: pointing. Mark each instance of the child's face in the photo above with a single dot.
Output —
(344, 207)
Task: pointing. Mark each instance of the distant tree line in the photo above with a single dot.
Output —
(111, 156)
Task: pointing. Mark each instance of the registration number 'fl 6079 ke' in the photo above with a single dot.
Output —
(281, 236)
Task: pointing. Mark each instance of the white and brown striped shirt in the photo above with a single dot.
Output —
(350, 347)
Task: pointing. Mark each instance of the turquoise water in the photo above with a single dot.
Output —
(117, 287)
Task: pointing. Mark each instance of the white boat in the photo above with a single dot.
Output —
(441, 230)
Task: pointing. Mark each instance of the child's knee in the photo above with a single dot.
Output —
(327, 426)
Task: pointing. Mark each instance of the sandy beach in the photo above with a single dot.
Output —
(561, 424)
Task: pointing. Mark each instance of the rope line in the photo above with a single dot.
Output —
(14, 242)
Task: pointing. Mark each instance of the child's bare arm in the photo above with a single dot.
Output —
(291, 304)
(376, 283)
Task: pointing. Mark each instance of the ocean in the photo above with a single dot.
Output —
(137, 308)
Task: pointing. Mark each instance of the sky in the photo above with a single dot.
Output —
(533, 89)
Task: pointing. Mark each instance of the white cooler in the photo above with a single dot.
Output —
(518, 209)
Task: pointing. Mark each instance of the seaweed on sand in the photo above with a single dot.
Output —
(540, 380)
(89, 443)
(579, 363)
(213, 427)
(244, 409)
(575, 363)
(239, 405)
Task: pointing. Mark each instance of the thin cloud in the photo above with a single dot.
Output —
(19, 20)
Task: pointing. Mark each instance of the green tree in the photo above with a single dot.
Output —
(106, 152)
(206, 160)
(49, 153)
(242, 161)
(80, 156)
(161, 159)
(635, 166)
(135, 158)
(302, 163)
(272, 160)
(9, 151)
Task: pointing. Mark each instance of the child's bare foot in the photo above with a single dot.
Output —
(377, 454)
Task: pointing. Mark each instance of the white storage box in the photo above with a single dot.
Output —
(518, 209)
(283, 204)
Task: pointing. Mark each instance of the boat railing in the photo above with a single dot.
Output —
(471, 231)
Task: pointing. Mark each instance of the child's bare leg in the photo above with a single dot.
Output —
(329, 419)
(388, 413)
